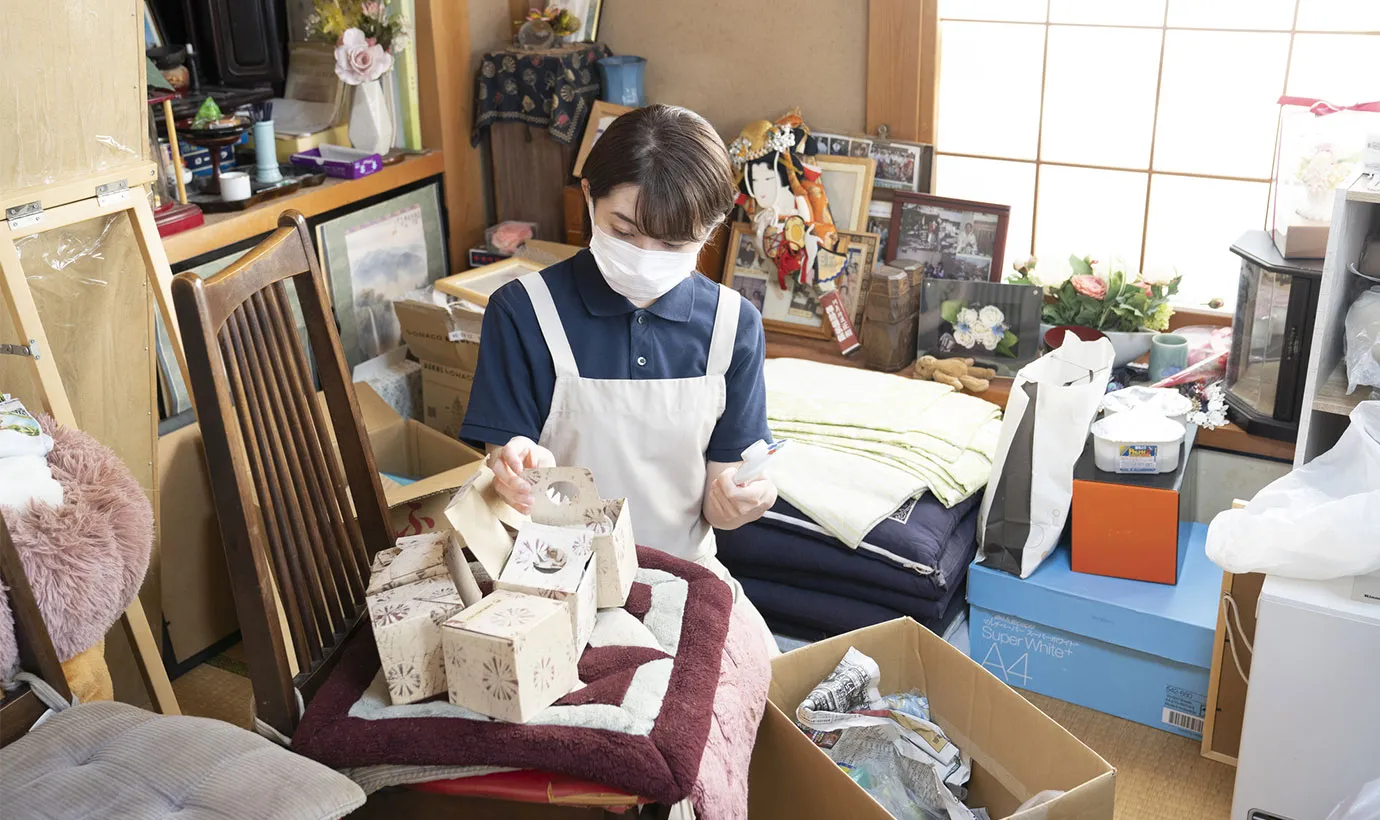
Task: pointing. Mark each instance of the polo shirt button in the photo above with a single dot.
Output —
(641, 361)
(642, 318)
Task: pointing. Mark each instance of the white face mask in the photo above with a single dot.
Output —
(640, 275)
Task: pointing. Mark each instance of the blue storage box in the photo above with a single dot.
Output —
(1134, 649)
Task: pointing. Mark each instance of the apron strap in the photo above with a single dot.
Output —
(725, 332)
(550, 322)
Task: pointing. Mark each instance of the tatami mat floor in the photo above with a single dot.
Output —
(1159, 776)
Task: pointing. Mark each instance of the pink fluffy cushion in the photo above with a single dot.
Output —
(85, 559)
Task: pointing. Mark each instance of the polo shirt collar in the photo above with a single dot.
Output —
(601, 300)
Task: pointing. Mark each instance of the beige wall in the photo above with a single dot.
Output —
(735, 61)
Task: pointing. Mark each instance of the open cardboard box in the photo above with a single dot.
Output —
(1017, 750)
(408, 448)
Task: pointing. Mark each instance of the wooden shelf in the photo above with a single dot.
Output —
(1332, 398)
(225, 229)
(1358, 192)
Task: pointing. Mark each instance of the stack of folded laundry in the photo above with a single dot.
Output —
(879, 489)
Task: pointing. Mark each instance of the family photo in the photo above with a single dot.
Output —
(950, 239)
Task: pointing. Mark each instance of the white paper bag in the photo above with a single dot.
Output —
(1052, 404)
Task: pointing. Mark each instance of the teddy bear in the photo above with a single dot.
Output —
(960, 374)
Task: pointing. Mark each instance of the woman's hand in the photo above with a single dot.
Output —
(508, 463)
(728, 506)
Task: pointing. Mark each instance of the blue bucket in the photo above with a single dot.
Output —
(622, 78)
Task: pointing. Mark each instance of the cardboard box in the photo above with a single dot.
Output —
(510, 655)
(568, 497)
(1127, 525)
(1141, 651)
(445, 397)
(556, 563)
(408, 448)
(1017, 751)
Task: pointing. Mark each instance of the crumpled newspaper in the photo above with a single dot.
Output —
(888, 745)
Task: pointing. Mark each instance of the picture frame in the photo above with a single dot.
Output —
(892, 171)
(795, 311)
(863, 254)
(601, 114)
(879, 222)
(847, 182)
(587, 12)
(477, 285)
(995, 324)
(376, 253)
(950, 238)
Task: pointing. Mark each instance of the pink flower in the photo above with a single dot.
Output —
(359, 60)
(373, 10)
(1089, 286)
(1149, 294)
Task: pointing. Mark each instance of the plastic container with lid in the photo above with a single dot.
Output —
(1137, 441)
(1165, 401)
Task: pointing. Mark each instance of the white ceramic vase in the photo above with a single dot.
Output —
(371, 122)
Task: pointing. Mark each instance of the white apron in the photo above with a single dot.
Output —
(644, 439)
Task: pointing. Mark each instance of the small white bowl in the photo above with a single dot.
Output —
(234, 186)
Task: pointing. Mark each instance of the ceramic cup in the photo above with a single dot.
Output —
(234, 186)
(1168, 355)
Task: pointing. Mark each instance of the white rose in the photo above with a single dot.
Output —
(988, 339)
(991, 316)
(1159, 274)
(1052, 274)
(964, 338)
(967, 316)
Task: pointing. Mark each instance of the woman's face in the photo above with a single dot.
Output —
(616, 213)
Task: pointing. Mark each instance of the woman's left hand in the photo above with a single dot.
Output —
(728, 506)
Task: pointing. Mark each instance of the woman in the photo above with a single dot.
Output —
(624, 360)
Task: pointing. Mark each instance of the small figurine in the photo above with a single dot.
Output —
(960, 374)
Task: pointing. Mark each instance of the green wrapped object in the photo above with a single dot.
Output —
(208, 113)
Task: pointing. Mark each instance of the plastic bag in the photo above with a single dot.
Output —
(1364, 805)
(1053, 402)
(1362, 341)
(1318, 522)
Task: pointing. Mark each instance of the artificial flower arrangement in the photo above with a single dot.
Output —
(978, 326)
(366, 32)
(1106, 297)
(562, 21)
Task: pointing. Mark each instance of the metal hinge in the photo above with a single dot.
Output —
(22, 216)
(112, 193)
(31, 349)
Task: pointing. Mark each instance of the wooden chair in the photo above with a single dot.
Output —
(283, 500)
(282, 487)
(111, 759)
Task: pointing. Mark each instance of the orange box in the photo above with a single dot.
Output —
(1127, 526)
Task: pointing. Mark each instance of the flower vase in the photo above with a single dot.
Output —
(1319, 207)
(371, 122)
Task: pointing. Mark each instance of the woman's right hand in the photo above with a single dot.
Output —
(508, 463)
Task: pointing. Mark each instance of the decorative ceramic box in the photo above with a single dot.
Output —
(423, 557)
(406, 621)
(568, 497)
(509, 656)
(556, 563)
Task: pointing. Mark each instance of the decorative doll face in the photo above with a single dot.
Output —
(765, 183)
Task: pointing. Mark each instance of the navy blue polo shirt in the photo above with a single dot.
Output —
(611, 339)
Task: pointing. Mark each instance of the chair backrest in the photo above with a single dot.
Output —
(21, 707)
(298, 550)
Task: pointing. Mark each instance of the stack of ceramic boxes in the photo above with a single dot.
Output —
(891, 317)
(515, 652)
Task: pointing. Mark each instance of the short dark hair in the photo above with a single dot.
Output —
(677, 159)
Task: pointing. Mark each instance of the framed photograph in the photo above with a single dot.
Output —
(587, 12)
(374, 255)
(902, 166)
(476, 286)
(950, 238)
(848, 183)
(994, 324)
(795, 310)
(601, 115)
(840, 145)
(863, 253)
(879, 222)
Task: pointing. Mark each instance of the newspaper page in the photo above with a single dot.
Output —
(888, 745)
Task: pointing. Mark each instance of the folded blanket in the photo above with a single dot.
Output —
(640, 723)
(818, 615)
(921, 604)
